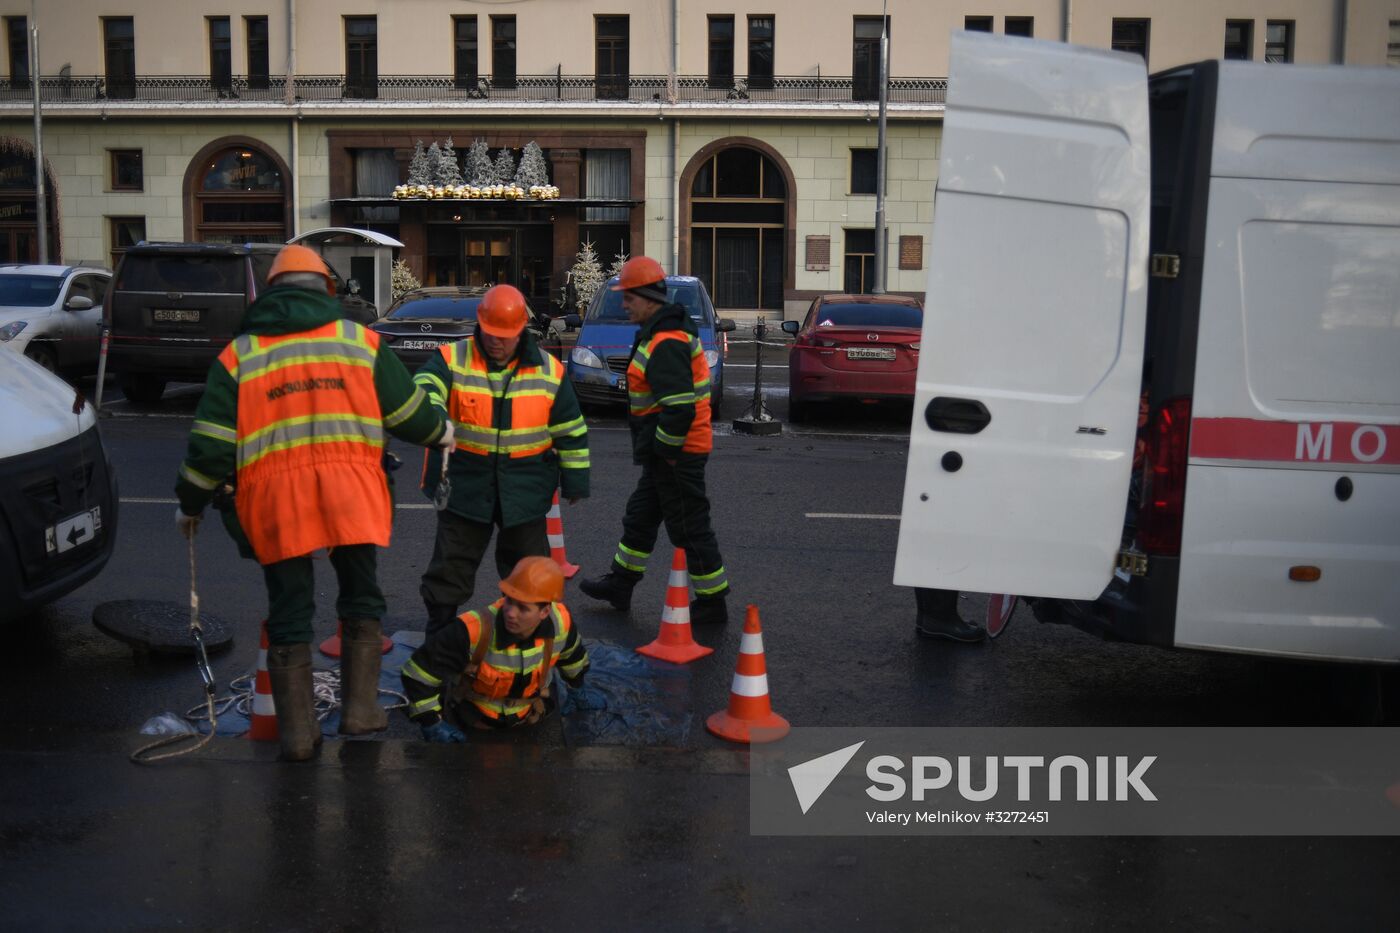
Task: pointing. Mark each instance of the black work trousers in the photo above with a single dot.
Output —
(458, 549)
(675, 495)
(291, 592)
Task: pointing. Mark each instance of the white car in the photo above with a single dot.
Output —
(53, 314)
(58, 491)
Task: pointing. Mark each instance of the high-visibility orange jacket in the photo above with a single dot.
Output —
(668, 388)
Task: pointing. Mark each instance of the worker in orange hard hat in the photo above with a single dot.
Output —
(491, 669)
(520, 436)
(293, 417)
(668, 392)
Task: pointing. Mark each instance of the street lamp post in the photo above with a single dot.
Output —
(878, 287)
(34, 73)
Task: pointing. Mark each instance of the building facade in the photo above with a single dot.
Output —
(733, 143)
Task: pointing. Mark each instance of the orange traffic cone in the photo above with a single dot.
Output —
(554, 528)
(331, 646)
(263, 722)
(749, 708)
(674, 643)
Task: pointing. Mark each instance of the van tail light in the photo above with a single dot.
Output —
(1164, 478)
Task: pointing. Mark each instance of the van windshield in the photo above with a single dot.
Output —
(608, 309)
(28, 291)
(175, 273)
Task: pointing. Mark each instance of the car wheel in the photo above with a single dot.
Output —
(42, 355)
(145, 388)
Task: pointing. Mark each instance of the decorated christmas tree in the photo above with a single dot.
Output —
(479, 168)
(402, 279)
(503, 170)
(616, 268)
(447, 171)
(533, 171)
(418, 166)
(434, 163)
(586, 275)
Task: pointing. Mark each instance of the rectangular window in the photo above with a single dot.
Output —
(220, 53)
(1239, 39)
(977, 23)
(865, 167)
(1392, 49)
(126, 170)
(1278, 41)
(124, 233)
(464, 51)
(761, 31)
(722, 51)
(503, 51)
(859, 275)
(865, 60)
(1020, 26)
(17, 32)
(607, 173)
(256, 29)
(611, 70)
(119, 47)
(1131, 35)
(361, 56)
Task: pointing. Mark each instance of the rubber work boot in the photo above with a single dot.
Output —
(938, 617)
(360, 651)
(612, 587)
(709, 610)
(440, 615)
(289, 669)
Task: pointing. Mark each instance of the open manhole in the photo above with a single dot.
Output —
(152, 626)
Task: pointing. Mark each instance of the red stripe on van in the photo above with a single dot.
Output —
(1303, 442)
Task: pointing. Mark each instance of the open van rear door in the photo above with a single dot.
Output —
(1025, 411)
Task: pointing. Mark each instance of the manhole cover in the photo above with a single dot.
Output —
(163, 628)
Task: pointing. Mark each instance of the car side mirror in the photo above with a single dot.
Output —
(573, 320)
(352, 286)
(792, 327)
(724, 325)
(78, 303)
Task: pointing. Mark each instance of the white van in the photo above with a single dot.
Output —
(58, 492)
(1224, 237)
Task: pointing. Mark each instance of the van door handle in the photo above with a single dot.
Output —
(957, 415)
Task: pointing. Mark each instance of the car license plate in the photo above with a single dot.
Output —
(74, 531)
(870, 353)
(420, 344)
(180, 315)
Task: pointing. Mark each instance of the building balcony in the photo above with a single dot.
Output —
(556, 88)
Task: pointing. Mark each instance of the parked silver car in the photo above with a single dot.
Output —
(53, 314)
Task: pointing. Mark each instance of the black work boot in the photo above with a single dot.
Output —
(938, 617)
(612, 587)
(360, 651)
(709, 610)
(289, 669)
(440, 615)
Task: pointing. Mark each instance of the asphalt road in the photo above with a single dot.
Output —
(529, 831)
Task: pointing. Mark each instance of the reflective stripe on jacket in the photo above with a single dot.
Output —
(644, 405)
(310, 439)
(511, 674)
(474, 392)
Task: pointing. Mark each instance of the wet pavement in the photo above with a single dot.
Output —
(546, 828)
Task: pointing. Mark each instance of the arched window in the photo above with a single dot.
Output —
(738, 212)
(240, 197)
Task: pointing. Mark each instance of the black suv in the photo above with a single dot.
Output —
(173, 307)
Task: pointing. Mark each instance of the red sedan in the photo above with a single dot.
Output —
(863, 347)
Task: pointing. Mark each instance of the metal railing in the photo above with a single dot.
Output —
(434, 88)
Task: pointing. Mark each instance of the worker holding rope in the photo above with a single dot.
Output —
(295, 409)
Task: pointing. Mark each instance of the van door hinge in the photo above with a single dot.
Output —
(1165, 265)
(1132, 562)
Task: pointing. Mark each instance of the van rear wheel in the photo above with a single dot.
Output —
(144, 388)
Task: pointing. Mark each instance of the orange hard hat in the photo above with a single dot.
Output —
(297, 258)
(503, 311)
(535, 580)
(639, 272)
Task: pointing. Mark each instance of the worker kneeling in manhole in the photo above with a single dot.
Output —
(493, 670)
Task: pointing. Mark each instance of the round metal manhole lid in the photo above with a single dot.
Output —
(160, 627)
